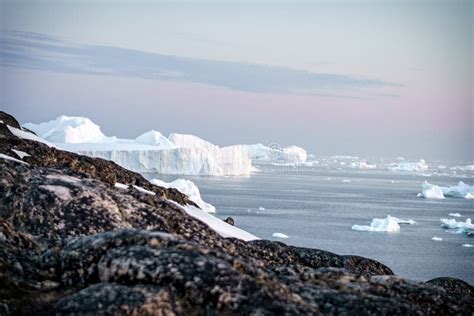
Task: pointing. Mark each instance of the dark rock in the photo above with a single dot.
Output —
(9, 120)
(454, 286)
(229, 220)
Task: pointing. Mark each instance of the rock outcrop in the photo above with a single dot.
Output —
(72, 243)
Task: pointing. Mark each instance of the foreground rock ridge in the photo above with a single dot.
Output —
(71, 243)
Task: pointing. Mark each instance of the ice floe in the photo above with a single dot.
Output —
(388, 224)
(410, 166)
(279, 235)
(190, 189)
(458, 227)
(432, 191)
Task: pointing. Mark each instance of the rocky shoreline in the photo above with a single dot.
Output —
(72, 243)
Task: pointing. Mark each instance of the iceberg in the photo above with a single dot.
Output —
(389, 224)
(190, 189)
(261, 154)
(280, 235)
(458, 227)
(410, 166)
(437, 238)
(149, 152)
(363, 165)
(69, 129)
(432, 191)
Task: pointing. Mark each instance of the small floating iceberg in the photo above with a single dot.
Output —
(437, 238)
(389, 224)
(468, 245)
(410, 166)
(458, 227)
(279, 235)
(432, 191)
(455, 214)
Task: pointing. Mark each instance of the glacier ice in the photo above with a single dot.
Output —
(461, 190)
(190, 189)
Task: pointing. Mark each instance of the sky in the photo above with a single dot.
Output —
(365, 78)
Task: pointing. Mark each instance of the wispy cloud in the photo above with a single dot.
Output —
(42, 52)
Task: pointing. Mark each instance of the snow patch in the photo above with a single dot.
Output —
(61, 192)
(6, 157)
(121, 186)
(142, 190)
(20, 153)
(219, 226)
(27, 135)
(190, 189)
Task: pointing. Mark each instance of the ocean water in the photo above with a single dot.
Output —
(316, 208)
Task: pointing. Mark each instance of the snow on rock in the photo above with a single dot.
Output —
(388, 224)
(143, 190)
(458, 227)
(69, 129)
(260, 153)
(190, 189)
(20, 153)
(437, 238)
(6, 157)
(410, 166)
(27, 135)
(121, 186)
(279, 235)
(432, 191)
(219, 226)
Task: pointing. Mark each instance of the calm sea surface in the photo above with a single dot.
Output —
(317, 208)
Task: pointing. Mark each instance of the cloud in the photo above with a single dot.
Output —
(42, 52)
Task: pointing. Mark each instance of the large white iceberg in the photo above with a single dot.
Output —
(458, 227)
(432, 191)
(153, 152)
(190, 189)
(389, 224)
(149, 152)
